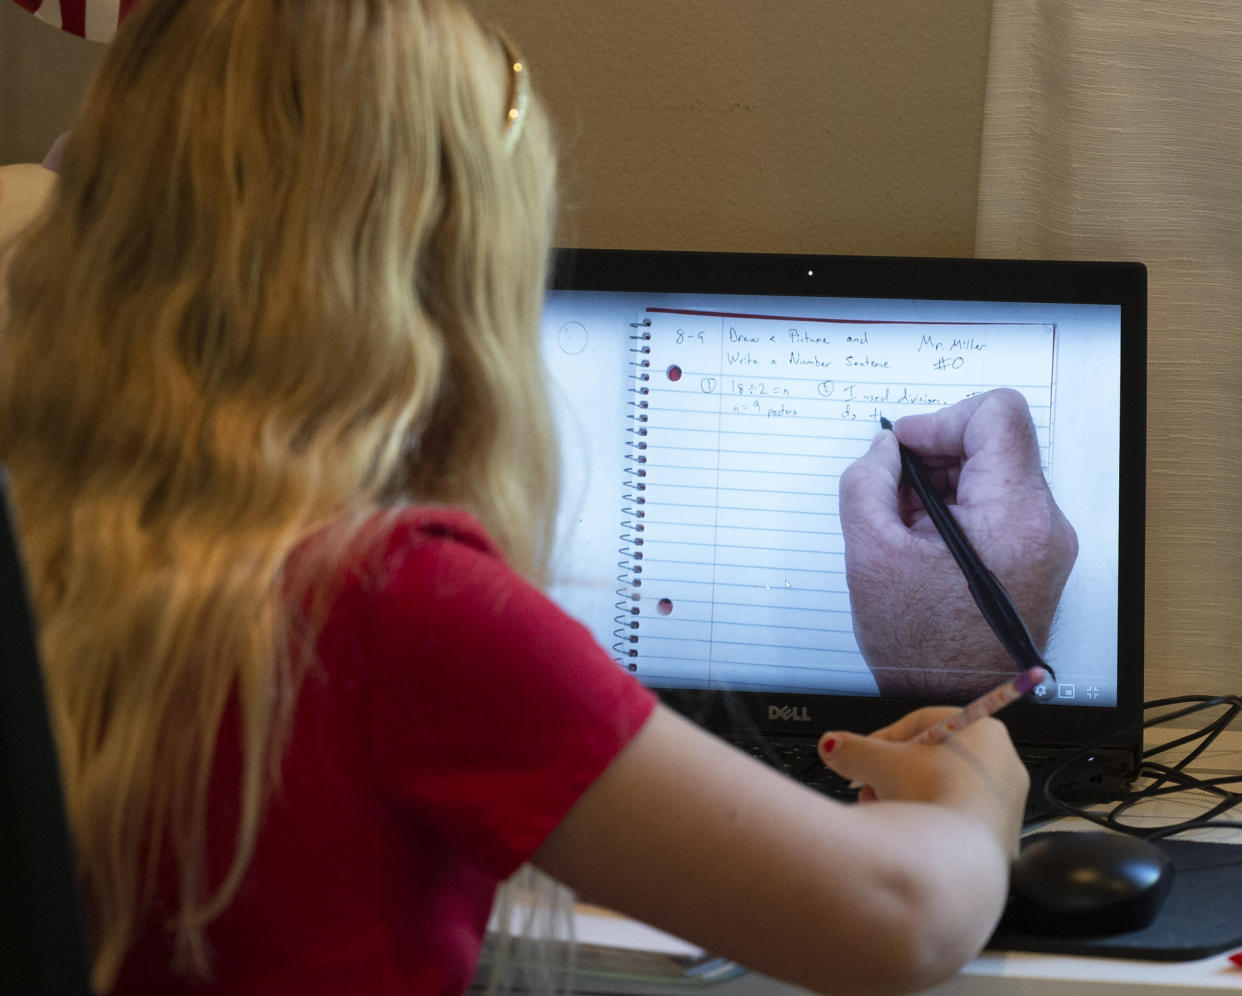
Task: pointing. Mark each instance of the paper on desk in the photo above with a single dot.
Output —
(599, 926)
(595, 925)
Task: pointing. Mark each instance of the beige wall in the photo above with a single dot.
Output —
(42, 75)
(848, 126)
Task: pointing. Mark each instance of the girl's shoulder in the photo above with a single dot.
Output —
(420, 524)
(432, 550)
(416, 538)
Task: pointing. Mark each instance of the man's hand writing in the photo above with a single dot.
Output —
(919, 629)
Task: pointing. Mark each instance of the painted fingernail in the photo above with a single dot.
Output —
(827, 744)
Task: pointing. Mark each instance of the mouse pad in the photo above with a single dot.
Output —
(1201, 916)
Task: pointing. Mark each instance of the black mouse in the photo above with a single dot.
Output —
(1087, 883)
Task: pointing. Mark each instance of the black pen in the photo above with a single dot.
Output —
(989, 594)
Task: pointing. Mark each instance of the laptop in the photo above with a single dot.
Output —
(707, 404)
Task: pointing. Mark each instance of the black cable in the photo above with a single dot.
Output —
(1164, 779)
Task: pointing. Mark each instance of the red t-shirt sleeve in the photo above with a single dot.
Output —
(491, 710)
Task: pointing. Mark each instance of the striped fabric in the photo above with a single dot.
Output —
(1113, 131)
(92, 19)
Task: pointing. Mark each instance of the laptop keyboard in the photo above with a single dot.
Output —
(800, 760)
(1038, 767)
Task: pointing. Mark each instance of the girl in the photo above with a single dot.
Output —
(271, 399)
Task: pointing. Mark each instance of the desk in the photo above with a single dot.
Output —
(1024, 974)
(1012, 973)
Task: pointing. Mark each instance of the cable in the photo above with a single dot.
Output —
(1164, 780)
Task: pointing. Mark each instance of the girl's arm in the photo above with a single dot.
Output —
(690, 835)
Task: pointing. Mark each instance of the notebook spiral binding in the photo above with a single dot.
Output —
(629, 580)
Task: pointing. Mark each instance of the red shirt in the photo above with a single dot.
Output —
(453, 717)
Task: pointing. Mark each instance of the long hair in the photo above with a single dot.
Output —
(291, 274)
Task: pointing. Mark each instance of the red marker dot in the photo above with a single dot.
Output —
(674, 373)
(665, 606)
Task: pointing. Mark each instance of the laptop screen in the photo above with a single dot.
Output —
(708, 403)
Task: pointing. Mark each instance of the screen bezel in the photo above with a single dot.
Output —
(1023, 281)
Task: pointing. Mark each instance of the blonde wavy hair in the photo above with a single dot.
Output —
(290, 274)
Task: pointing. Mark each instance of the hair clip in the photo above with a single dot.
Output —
(519, 92)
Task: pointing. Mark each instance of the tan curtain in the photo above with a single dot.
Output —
(1113, 130)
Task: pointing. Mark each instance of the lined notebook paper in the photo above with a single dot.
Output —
(732, 569)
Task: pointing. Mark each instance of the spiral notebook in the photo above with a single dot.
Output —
(707, 405)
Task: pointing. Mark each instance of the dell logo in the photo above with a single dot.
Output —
(789, 712)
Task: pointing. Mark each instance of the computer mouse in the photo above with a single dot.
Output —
(1087, 883)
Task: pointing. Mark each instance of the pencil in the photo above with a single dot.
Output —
(987, 704)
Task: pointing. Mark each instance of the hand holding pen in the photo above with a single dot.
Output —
(920, 628)
(989, 594)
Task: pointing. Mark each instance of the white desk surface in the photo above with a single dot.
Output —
(1024, 974)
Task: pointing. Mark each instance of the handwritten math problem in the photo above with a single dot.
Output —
(749, 422)
(855, 364)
